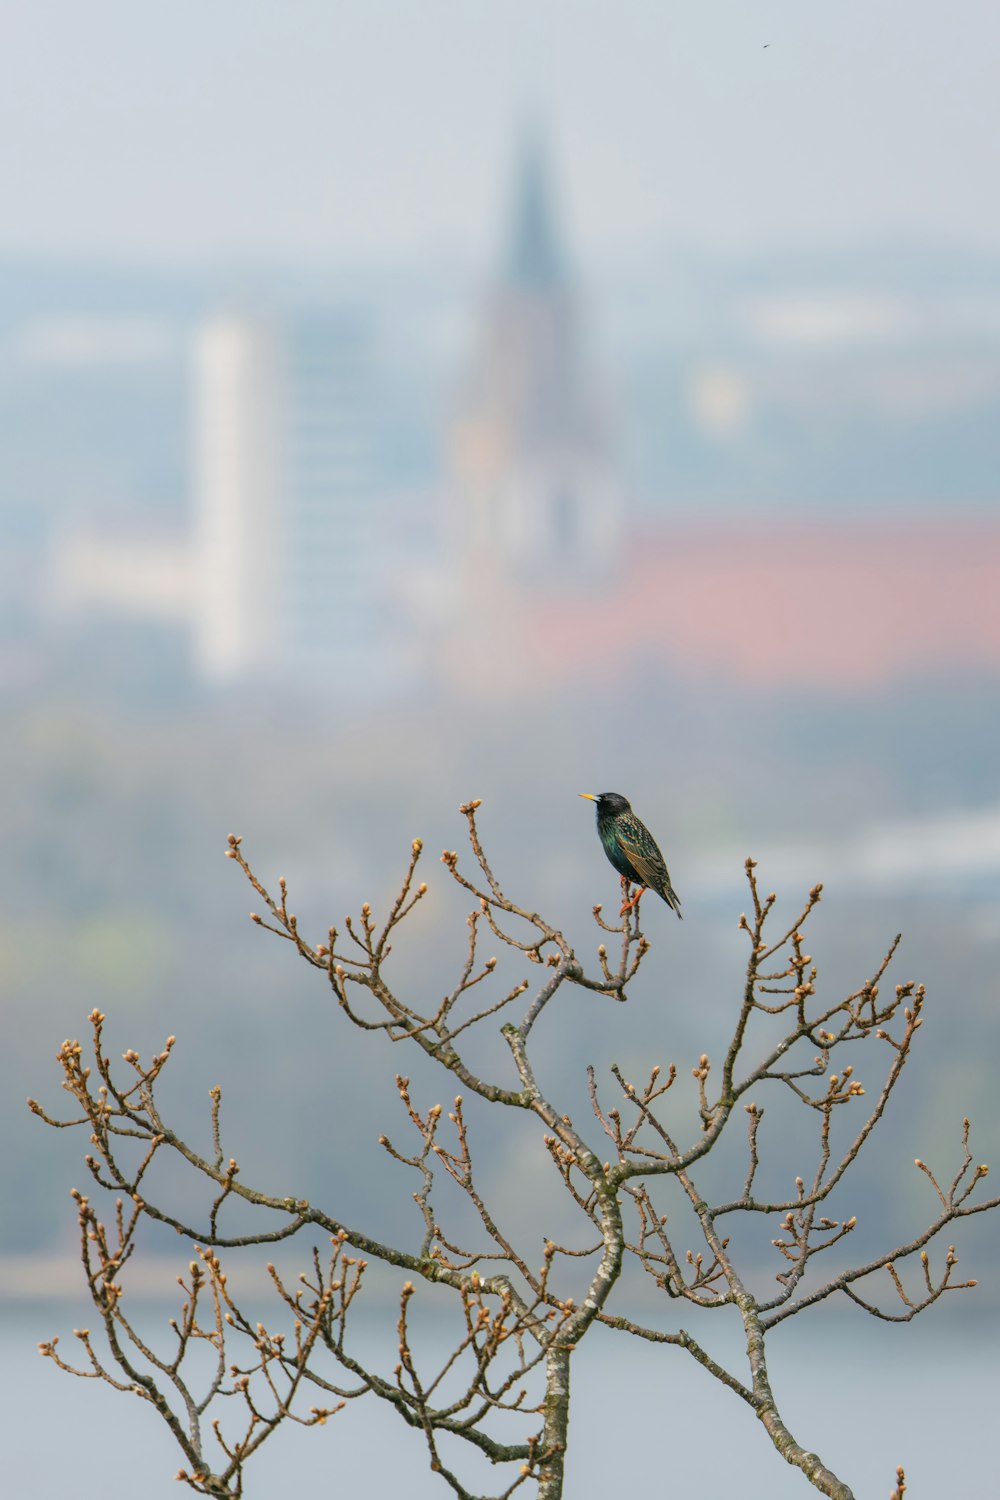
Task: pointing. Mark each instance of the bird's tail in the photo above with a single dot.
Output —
(672, 899)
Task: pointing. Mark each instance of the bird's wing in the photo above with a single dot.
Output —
(647, 862)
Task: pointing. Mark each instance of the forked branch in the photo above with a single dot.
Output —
(791, 1071)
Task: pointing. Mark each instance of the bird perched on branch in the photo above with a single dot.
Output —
(632, 850)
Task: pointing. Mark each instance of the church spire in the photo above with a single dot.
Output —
(536, 500)
(535, 262)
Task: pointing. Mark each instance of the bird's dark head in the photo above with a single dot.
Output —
(609, 804)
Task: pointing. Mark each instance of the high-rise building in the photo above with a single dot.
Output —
(238, 601)
(291, 548)
(334, 548)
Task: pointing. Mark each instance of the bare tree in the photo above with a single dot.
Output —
(225, 1381)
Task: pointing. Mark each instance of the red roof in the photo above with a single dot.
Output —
(847, 604)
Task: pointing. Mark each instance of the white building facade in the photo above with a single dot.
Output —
(290, 541)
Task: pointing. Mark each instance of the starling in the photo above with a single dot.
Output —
(632, 850)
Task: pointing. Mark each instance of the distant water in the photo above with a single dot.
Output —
(865, 1396)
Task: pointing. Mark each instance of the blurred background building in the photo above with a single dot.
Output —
(293, 543)
(758, 504)
(535, 498)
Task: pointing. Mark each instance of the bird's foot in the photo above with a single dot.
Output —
(634, 901)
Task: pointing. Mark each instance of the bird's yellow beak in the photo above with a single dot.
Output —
(590, 796)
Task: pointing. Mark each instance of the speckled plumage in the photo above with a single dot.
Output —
(631, 847)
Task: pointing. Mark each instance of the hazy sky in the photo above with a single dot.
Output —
(353, 129)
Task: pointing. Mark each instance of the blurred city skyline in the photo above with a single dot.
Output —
(352, 485)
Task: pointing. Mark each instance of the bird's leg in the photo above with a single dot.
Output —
(635, 899)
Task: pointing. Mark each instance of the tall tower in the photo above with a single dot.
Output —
(533, 493)
(237, 584)
(335, 546)
(292, 549)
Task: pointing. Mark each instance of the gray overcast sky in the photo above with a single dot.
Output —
(351, 129)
